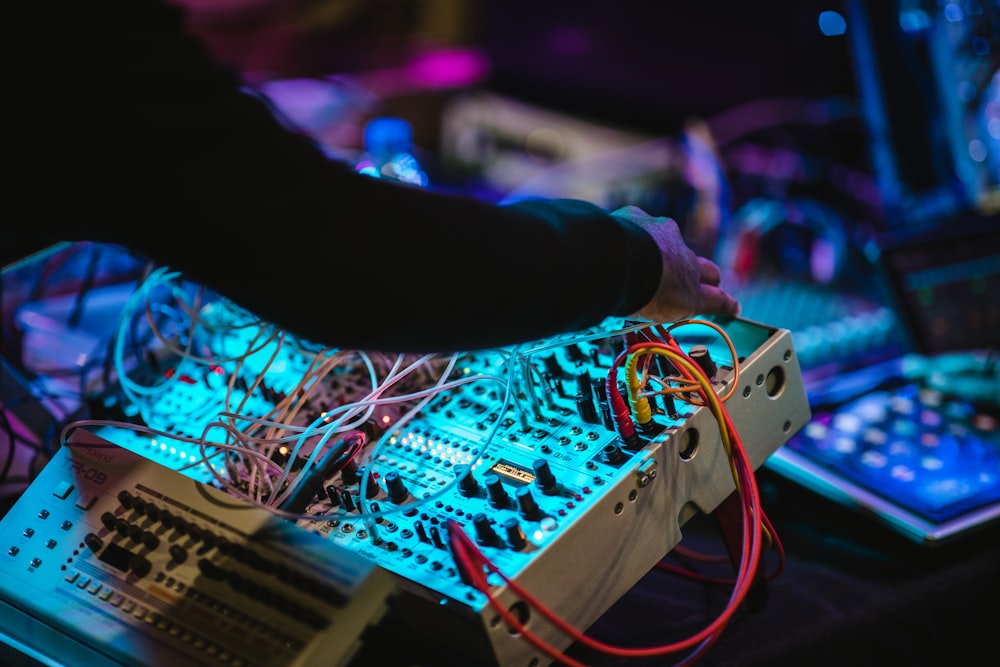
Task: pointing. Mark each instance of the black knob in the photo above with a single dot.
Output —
(125, 498)
(395, 487)
(703, 357)
(467, 484)
(167, 518)
(139, 565)
(177, 553)
(544, 479)
(139, 505)
(153, 512)
(485, 534)
(150, 540)
(93, 541)
(515, 534)
(109, 521)
(498, 496)
(371, 490)
(526, 504)
(349, 473)
(586, 409)
(333, 494)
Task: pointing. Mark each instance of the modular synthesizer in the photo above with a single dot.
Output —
(572, 463)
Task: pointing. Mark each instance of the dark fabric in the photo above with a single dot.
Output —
(124, 131)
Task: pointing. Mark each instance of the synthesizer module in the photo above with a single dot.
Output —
(572, 463)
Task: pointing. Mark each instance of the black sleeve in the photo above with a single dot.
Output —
(142, 140)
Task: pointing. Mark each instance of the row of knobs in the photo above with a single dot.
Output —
(498, 497)
(141, 566)
(496, 492)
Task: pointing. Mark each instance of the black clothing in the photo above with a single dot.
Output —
(131, 134)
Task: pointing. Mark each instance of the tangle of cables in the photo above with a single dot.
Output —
(312, 434)
(270, 418)
(687, 382)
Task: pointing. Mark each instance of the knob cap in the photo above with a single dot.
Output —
(395, 487)
(544, 478)
(125, 498)
(93, 541)
(139, 565)
(526, 503)
(498, 496)
(150, 540)
(178, 554)
(515, 534)
(467, 484)
(586, 409)
(485, 534)
(349, 473)
(703, 357)
(371, 489)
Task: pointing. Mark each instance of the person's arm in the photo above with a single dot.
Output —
(168, 156)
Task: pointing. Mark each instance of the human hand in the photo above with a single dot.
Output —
(689, 285)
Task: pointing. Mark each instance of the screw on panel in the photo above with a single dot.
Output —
(646, 473)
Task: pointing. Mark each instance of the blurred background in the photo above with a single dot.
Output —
(839, 159)
(793, 145)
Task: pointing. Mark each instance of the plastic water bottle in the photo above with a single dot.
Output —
(388, 152)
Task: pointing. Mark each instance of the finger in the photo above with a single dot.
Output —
(716, 301)
(709, 271)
